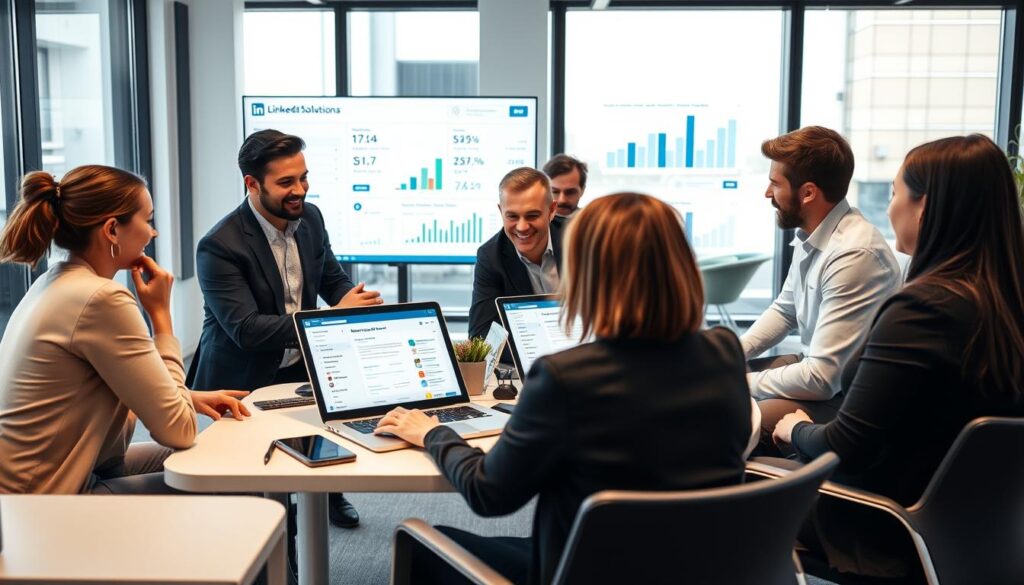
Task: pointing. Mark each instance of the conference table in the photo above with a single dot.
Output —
(141, 540)
(228, 457)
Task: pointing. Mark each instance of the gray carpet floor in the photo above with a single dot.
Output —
(363, 556)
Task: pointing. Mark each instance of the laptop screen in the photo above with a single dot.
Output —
(535, 331)
(379, 359)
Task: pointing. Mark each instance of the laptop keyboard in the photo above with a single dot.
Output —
(445, 415)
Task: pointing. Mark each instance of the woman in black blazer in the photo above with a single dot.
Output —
(653, 404)
(946, 349)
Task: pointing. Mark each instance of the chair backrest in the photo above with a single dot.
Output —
(738, 534)
(726, 277)
(971, 515)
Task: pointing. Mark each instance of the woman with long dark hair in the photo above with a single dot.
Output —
(77, 362)
(948, 348)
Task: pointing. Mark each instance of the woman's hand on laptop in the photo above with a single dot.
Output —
(409, 425)
(220, 403)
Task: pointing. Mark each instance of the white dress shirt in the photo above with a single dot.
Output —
(841, 274)
(543, 278)
(286, 256)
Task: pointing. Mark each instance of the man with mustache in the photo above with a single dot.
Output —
(841, 273)
(524, 257)
(568, 181)
(268, 258)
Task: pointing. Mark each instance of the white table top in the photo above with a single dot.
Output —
(228, 457)
(136, 539)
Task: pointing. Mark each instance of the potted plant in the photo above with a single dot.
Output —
(1017, 166)
(471, 355)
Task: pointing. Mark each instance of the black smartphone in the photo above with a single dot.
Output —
(315, 451)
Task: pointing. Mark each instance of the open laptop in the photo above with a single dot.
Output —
(534, 329)
(364, 361)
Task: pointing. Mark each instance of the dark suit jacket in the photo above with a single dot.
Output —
(613, 414)
(500, 273)
(246, 329)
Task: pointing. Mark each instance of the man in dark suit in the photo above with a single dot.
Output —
(267, 259)
(524, 257)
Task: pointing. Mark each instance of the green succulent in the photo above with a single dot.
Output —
(472, 350)
(1017, 166)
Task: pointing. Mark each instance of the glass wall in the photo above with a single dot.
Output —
(7, 272)
(889, 80)
(416, 54)
(307, 67)
(75, 88)
(665, 103)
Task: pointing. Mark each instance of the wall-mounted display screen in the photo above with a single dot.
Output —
(405, 179)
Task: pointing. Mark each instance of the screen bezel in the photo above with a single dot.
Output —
(318, 393)
(499, 303)
(409, 259)
(344, 455)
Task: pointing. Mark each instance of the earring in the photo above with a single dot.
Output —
(114, 254)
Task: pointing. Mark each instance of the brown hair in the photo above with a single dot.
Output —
(563, 164)
(971, 243)
(263, 147)
(814, 154)
(65, 213)
(628, 271)
(521, 179)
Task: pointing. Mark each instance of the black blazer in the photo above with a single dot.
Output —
(907, 396)
(500, 273)
(246, 329)
(631, 415)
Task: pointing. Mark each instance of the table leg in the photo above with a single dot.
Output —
(277, 564)
(312, 534)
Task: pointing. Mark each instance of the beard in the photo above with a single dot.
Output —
(278, 209)
(788, 219)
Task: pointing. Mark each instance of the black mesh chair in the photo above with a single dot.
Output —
(968, 526)
(740, 534)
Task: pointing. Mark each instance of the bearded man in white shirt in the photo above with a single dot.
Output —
(842, 271)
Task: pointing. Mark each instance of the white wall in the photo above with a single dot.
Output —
(514, 55)
(217, 68)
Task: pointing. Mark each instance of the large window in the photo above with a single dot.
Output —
(416, 54)
(75, 97)
(890, 80)
(675, 105)
(289, 52)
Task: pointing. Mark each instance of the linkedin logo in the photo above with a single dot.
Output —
(258, 109)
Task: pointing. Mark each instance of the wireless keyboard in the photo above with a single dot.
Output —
(284, 403)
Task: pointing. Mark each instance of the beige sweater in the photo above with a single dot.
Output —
(76, 362)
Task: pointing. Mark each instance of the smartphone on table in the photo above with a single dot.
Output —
(315, 451)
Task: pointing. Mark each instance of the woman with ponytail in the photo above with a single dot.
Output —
(77, 362)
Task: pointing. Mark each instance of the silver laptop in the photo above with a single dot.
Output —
(364, 361)
(534, 328)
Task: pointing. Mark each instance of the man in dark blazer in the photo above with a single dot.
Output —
(524, 258)
(267, 259)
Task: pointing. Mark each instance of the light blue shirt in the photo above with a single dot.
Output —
(841, 274)
(286, 256)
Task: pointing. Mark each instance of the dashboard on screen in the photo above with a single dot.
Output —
(405, 179)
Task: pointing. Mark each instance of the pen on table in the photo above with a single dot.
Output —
(270, 452)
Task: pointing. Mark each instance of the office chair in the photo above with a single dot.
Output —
(968, 525)
(725, 277)
(741, 534)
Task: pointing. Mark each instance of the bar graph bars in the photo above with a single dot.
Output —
(423, 181)
(470, 231)
(722, 235)
(660, 151)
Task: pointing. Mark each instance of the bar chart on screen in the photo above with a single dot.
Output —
(405, 179)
